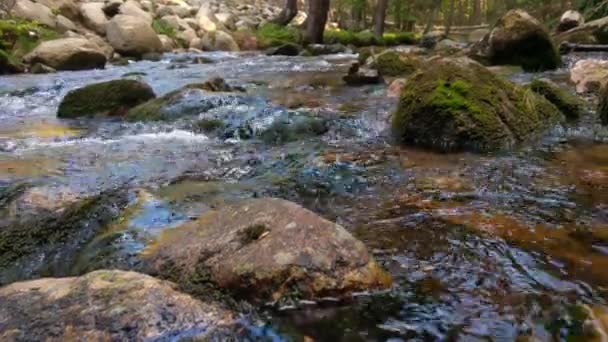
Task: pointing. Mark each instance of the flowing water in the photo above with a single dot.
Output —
(481, 247)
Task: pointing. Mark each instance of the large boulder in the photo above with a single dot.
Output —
(266, 249)
(132, 36)
(67, 8)
(112, 98)
(105, 306)
(93, 17)
(458, 104)
(219, 41)
(589, 75)
(519, 39)
(206, 19)
(133, 8)
(67, 54)
(569, 20)
(34, 11)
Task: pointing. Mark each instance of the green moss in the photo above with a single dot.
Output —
(162, 28)
(269, 35)
(107, 98)
(392, 63)
(567, 103)
(460, 105)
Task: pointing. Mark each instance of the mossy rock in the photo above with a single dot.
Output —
(48, 244)
(458, 104)
(567, 103)
(393, 63)
(520, 39)
(112, 98)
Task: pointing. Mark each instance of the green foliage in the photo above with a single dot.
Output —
(162, 28)
(18, 37)
(270, 35)
(366, 38)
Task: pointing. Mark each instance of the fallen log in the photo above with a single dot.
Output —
(566, 48)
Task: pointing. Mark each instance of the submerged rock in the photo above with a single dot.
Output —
(457, 104)
(266, 249)
(48, 243)
(293, 128)
(106, 306)
(289, 49)
(192, 99)
(67, 54)
(358, 76)
(112, 98)
(567, 103)
(330, 49)
(519, 39)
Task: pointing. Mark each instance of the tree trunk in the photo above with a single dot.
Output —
(450, 17)
(317, 18)
(288, 13)
(380, 17)
(476, 15)
(433, 16)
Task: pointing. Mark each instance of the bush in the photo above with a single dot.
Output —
(270, 35)
(162, 28)
(18, 37)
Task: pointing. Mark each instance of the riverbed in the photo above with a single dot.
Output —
(481, 247)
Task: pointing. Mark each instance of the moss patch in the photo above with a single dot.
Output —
(457, 104)
(269, 35)
(567, 103)
(162, 28)
(366, 38)
(113, 98)
(392, 63)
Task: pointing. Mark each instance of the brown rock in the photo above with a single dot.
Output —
(104, 306)
(266, 249)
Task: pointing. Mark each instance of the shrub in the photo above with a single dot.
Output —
(18, 37)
